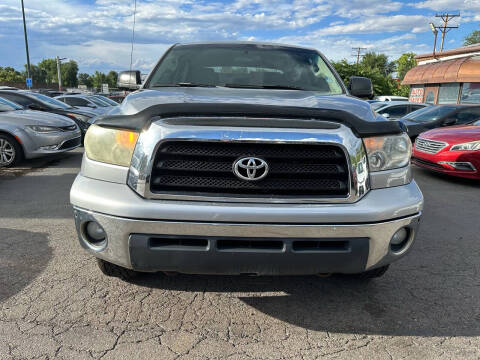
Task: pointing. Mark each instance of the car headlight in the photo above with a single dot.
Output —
(43, 129)
(388, 152)
(112, 146)
(468, 146)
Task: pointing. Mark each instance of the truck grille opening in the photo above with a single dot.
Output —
(268, 245)
(320, 245)
(206, 168)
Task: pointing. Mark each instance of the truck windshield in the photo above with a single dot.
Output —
(245, 66)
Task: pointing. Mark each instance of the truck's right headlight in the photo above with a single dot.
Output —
(112, 146)
(388, 152)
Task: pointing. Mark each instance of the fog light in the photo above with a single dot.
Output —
(49, 147)
(399, 239)
(95, 232)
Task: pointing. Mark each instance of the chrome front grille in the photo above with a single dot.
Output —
(429, 146)
(206, 167)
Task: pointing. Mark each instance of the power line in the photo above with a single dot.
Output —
(358, 54)
(445, 28)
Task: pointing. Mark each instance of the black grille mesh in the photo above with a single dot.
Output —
(196, 167)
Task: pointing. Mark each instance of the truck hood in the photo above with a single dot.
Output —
(31, 117)
(454, 134)
(142, 99)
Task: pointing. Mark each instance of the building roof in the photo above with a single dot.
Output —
(464, 69)
(465, 50)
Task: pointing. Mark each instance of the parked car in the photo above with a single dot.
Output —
(29, 134)
(391, 98)
(394, 110)
(246, 158)
(436, 116)
(86, 102)
(106, 99)
(454, 150)
(35, 101)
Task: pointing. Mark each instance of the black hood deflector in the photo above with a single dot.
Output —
(294, 115)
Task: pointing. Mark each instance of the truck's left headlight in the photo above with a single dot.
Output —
(112, 146)
(388, 152)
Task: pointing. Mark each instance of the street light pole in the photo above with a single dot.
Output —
(26, 41)
(435, 33)
(59, 73)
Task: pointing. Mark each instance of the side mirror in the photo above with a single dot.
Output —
(360, 87)
(129, 80)
(449, 121)
(386, 115)
(35, 107)
(92, 106)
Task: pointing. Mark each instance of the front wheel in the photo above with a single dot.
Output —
(113, 270)
(10, 151)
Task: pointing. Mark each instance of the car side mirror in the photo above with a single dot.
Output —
(92, 106)
(35, 107)
(449, 121)
(386, 115)
(129, 80)
(360, 87)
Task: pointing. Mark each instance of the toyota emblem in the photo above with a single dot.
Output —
(250, 168)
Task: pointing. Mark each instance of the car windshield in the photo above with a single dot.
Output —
(245, 66)
(6, 105)
(50, 102)
(107, 100)
(430, 113)
(378, 105)
(98, 102)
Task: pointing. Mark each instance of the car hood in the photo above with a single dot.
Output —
(140, 100)
(454, 134)
(31, 117)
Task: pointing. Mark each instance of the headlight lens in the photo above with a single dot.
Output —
(110, 146)
(43, 129)
(388, 152)
(468, 146)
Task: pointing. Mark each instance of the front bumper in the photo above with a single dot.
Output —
(219, 238)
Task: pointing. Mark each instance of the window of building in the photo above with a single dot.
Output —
(470, 93)
(448, 93)
(430, 98)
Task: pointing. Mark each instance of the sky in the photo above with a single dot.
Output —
(98, 33)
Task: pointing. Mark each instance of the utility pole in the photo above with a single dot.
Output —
(59, 73)
(358, 54)
(445, 28)
(26, 41)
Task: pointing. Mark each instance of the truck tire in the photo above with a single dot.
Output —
(11, 152)
(113, 270)
(371, 274)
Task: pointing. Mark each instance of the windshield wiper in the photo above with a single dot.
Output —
(183, 84)
(279, 87)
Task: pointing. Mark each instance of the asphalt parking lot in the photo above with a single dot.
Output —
(55, 303)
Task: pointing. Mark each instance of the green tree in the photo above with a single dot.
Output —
(382, 84)
(98, 79)
(38, 74)
(472, 38)
(50, 68)
(112, 79)
(85, 79)
(9, 74)
(405, 63)
(372, 60)
(69, 72)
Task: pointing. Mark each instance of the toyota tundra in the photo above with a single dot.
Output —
(246, 158)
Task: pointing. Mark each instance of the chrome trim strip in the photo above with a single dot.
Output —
(160, 130)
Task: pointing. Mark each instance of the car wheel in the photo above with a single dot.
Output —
(10, 151)
(113, 270)
(371, 274)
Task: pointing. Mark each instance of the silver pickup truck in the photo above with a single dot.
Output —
(246, 158)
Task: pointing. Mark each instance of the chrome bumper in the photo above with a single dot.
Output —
(372, 221)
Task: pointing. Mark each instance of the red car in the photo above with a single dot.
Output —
(453, 150)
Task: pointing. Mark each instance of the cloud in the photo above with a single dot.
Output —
(97, 33)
